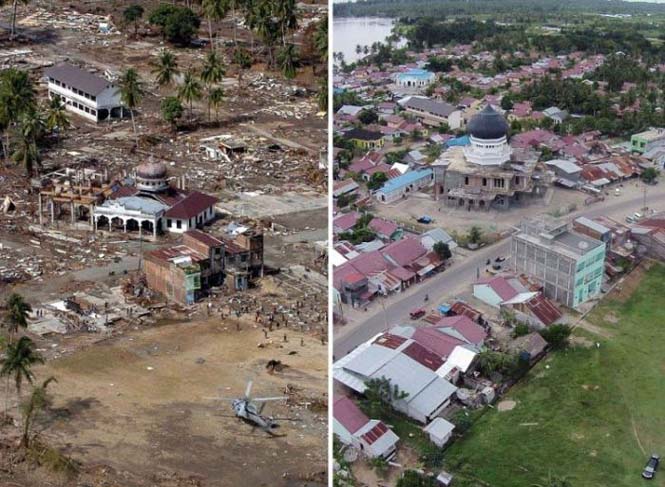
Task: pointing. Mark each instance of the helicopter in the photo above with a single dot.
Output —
(246, 409)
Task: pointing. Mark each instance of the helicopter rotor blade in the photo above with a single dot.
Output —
(263, 405)
(249, 388)
(264, 399)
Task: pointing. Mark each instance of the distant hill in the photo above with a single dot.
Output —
(420, 8)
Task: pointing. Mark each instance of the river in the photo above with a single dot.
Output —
(348, 32)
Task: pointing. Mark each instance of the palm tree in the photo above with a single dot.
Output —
(287, 61)
(215, 99)
(17, 312)
(249, 9)
(321, 40)
(17, 96)
(214, 10)
(212, 73)
(17, 364)
(190, 90)
(266, 27)
(131, 93)
(14, 7)
(39, 399)
(29, 130)
(287, 17)
(322, 95)
(165, 68)
(243, 59)
(56, 116)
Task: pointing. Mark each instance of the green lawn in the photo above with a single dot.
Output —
(578, 412)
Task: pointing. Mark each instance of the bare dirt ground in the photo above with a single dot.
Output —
(139, 402)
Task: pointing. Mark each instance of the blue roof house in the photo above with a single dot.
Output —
(401, 186)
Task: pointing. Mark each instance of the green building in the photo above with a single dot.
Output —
(645, 141)
(569, 265)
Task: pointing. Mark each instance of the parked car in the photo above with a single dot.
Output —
(496, 267)
(500, 259)
(426, 219)
(417, 313)
(652, 465)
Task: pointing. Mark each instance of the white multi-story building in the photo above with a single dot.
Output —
(84, 93)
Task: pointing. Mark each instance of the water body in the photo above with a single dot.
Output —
(348, 32)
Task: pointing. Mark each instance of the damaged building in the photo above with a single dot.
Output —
(186, 272)
(145, 203)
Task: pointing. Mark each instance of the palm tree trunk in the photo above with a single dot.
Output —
(212, 46)
(235, 25)
(13, 31)
(136, 135)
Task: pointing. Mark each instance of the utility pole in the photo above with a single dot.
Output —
(644, 206)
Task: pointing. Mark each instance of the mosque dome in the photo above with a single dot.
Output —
(151, 170)
(488, 124)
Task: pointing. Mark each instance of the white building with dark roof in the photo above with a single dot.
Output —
(83, 93)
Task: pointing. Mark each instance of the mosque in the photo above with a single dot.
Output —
(485, 173)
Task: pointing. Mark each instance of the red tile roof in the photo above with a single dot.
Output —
(191, 205)
(383, 227)
(204, 238)
(346, 221)
(375, 433)
(389, 340)
(170, 253)
(423, 356)
(349, 415)
(405, 251)
(474, 333)
(439, 343)
(500, 286)
(461, 308)
(544, 309)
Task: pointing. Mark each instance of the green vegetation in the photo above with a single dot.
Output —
(379, 396)
(442, 250)
(649, 175)
(557, 335)
(172, 111)
(178, 24)
(360, 232)
(588, 416)
(132, 15)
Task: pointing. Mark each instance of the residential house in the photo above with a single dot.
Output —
(365, 139)
(407, 365)
(372, 437)
(401, 186)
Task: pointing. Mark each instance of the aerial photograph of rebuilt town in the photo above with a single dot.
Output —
(163, 254)
(499, 243)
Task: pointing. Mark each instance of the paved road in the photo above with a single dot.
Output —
(458, 276)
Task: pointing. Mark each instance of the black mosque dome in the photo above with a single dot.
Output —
(488, 124)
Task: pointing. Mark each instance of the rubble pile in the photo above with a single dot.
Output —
(67, 18)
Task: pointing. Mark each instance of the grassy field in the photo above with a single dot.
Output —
(591, 415)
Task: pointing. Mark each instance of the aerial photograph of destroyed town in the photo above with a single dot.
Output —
(163, 227)
(498, 256)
